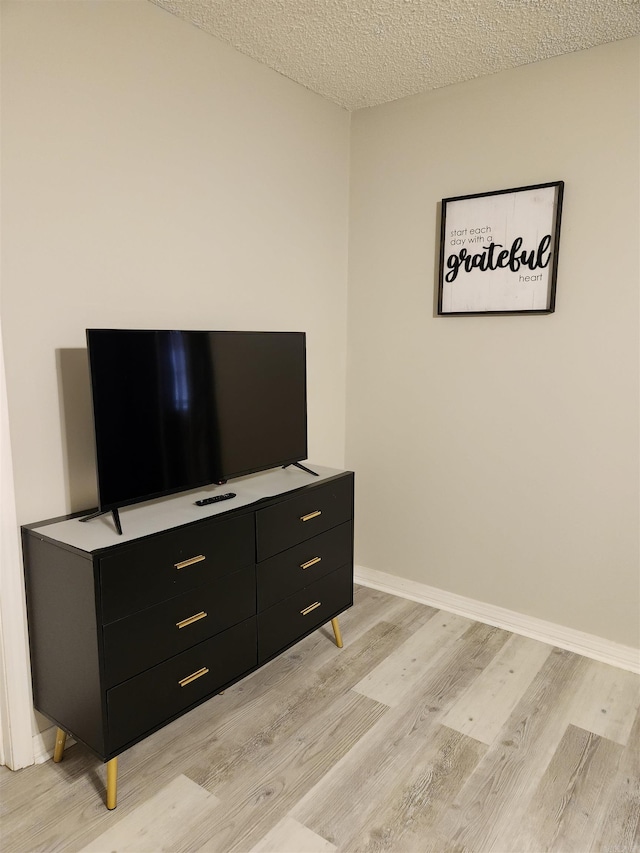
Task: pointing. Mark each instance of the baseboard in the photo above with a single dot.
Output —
(44, 744)
(597, 648)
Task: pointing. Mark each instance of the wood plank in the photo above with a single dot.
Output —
(394, 677)
(484, 707)
(59, 806)
(256, 728)
(620, 828)
(404, 818)
(496, 795)
(369, 608)
(289, 836)
(607, 701)
(379, 606)
(348, 797)
(159, 824)
(255, 800)
(570, 801)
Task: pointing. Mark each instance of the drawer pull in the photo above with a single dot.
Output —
(190, 562)
(310, 563)
(184, 681)
(191, 619)
(311, 515)
(310, 608)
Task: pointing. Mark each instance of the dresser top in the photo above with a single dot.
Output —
(157, 516)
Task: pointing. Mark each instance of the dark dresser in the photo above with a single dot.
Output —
(130, 632)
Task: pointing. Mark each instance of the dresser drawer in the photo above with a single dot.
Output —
(164, 566)
(301, 613)
(164, 691)
(291, 570)
(137, 642)
(307, 514)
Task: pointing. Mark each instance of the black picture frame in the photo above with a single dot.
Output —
(499, 251)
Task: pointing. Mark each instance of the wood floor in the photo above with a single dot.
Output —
(427, 732)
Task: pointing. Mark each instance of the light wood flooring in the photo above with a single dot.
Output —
(426, 732)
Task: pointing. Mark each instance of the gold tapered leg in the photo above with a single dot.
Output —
(112, 783)
(336, 631)
(61, 739)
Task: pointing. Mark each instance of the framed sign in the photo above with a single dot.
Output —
(499, 251)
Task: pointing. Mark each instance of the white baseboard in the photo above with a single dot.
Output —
(44, 744)
(606, 651)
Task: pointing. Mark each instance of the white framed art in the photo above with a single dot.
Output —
(499, 251)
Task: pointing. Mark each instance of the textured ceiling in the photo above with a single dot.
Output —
(359, 53)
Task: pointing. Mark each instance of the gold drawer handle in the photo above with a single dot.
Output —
(191, 619)
(310, 563)
(190, 562)
(184, 681)
(311, 515)
(310, 608)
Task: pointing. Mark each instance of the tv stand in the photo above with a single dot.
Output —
(130, 632)
(301, 467)
(114, 513)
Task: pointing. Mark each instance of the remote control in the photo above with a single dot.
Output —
(215, 499)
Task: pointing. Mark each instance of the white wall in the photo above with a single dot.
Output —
(497, 457)
(155, 178)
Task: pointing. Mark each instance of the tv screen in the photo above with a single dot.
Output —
(175, 410)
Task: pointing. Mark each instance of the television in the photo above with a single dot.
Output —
(177, 410)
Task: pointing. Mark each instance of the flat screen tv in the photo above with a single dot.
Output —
(176, 410)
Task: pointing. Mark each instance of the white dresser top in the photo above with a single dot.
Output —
(162, 514)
